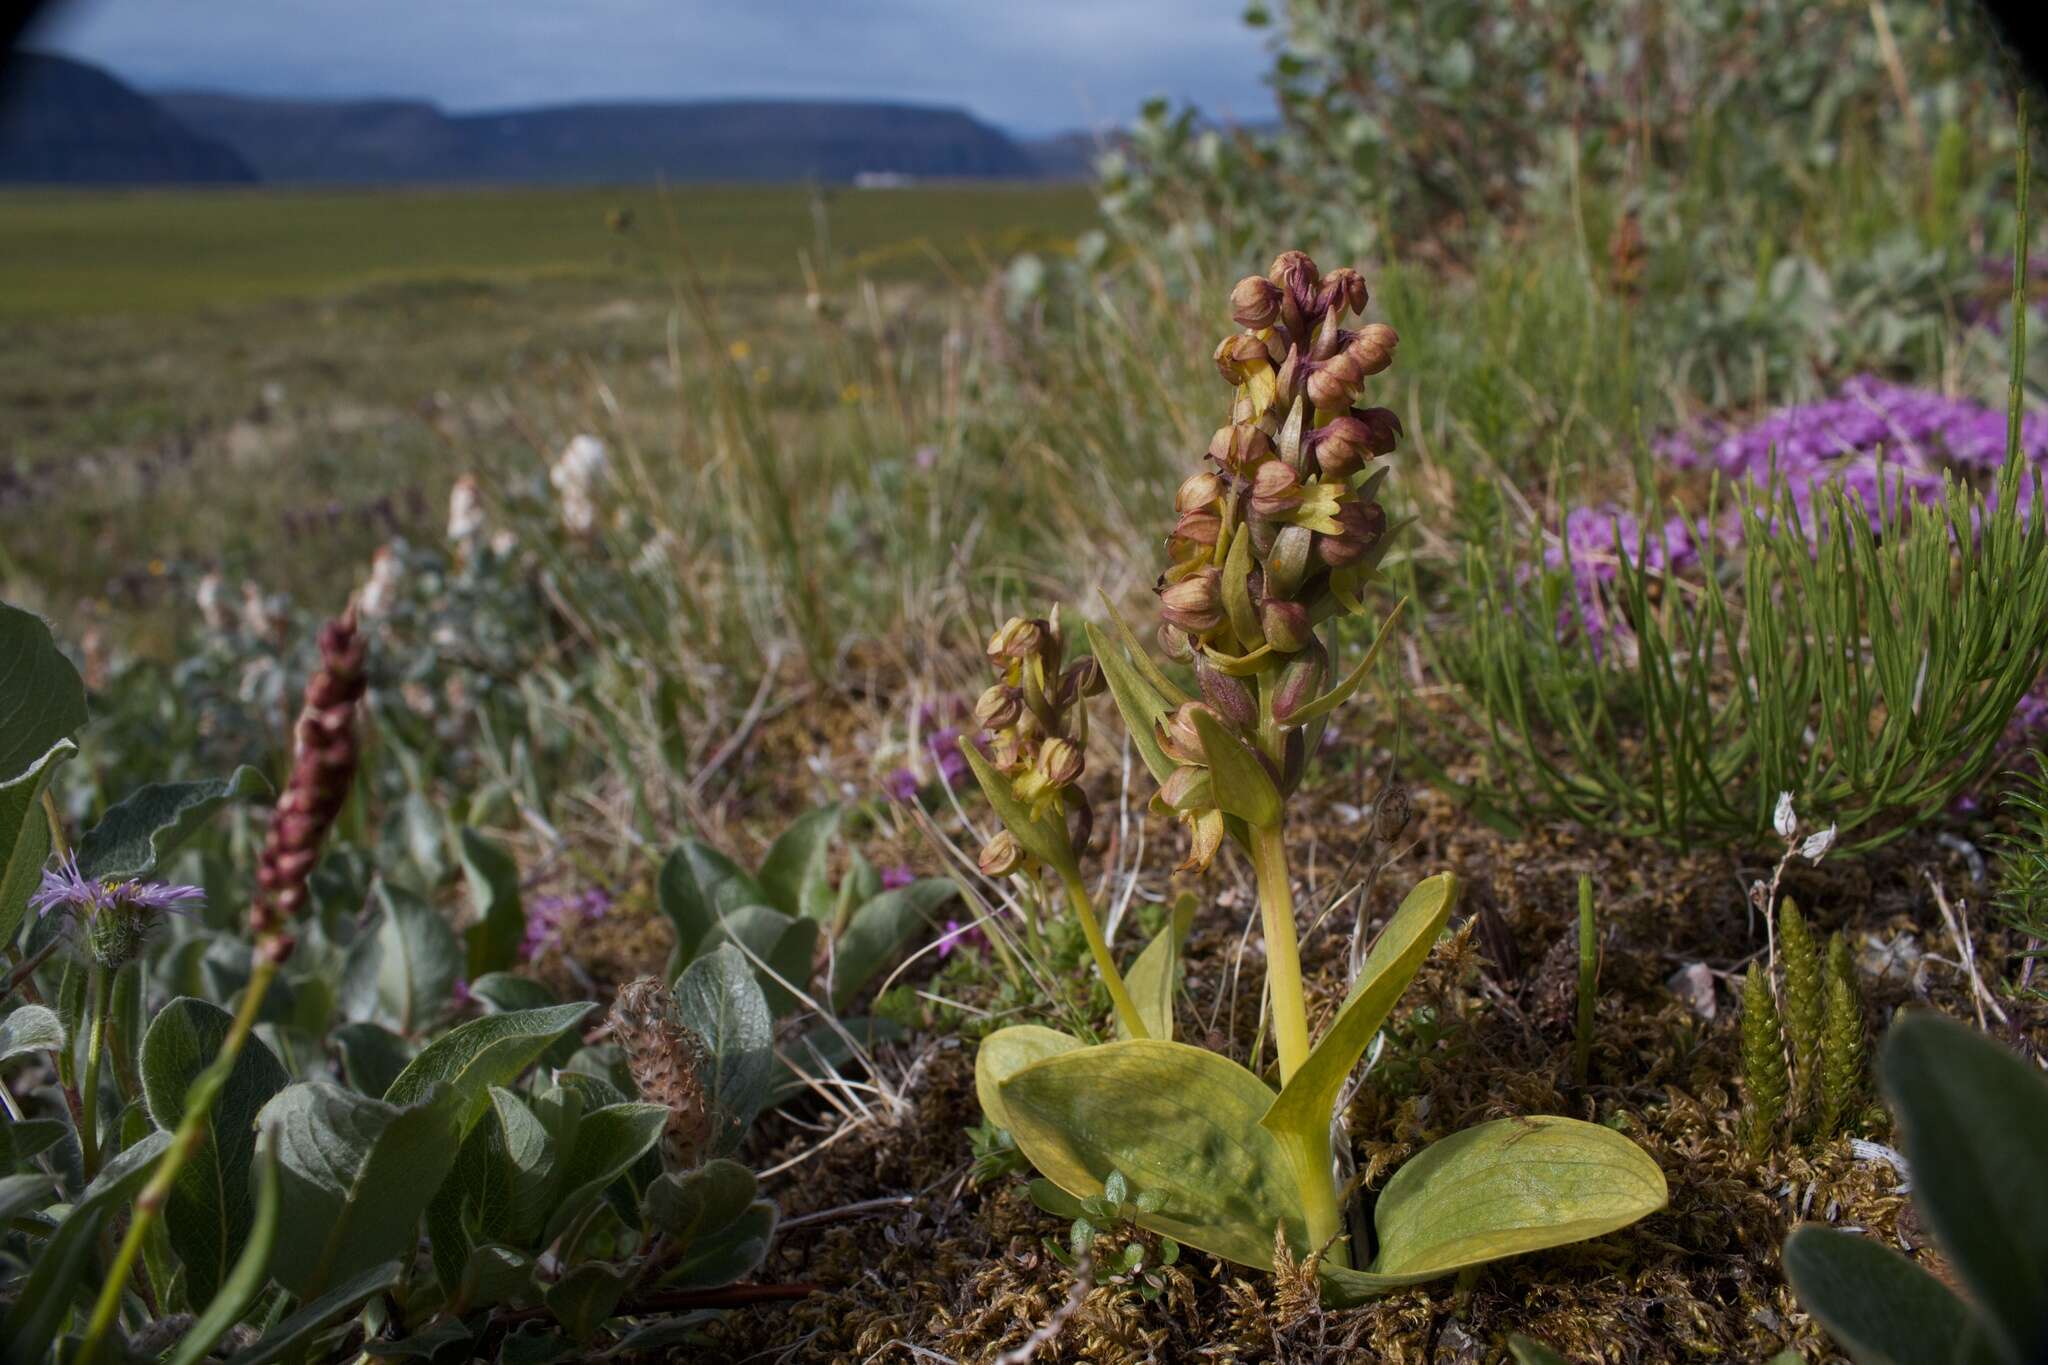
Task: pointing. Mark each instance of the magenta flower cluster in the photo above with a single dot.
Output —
(939, 722)
(548, 918)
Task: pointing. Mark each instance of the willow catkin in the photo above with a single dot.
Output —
(665, 1059)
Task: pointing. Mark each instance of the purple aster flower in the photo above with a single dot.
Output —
(116, 917)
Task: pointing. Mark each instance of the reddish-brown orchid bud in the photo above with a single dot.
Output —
(1302, 680)
(998, 708)
(1286, 625)
(1237, 355)
(1174, 644)
(1061, 761)
(1294, 272)
(1082, 679)
(1362, 526)
(1231, 697)
(1001, 855)
(1255, 303)
(1372, 347)
(1199, 492)
(1342, 445)
(1194, 533)
(1187, 789)
(1334, 383)
(1195, 603)
(1341, 291)
(1178, 735)
(1017, 640)
(1276, 489)
(1238, 447)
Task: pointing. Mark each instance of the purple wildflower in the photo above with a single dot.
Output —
(117, 916)
(961, 936)
(901, 785)
(944, 747)
(548, 918)
(898, 876)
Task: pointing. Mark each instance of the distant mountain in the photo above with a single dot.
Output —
(395, 141)
(63, 122)
(1069, 156)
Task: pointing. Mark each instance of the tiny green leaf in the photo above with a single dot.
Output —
(718, 999)
(793, 873)
(30, 1028)
(490, 1051)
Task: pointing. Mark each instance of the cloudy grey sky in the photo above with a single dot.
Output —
(1029, 65)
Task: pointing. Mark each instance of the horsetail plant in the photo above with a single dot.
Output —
(1805, 1060)
(1274, 539)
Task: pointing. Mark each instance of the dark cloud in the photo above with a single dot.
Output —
(1031, 65)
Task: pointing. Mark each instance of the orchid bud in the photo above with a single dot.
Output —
(1239, 447)
(1082, 679)
(1276, 489)
(1329, 338)
(1334, 383)
(1199, 492)
(998, 708)
(1287, 383)
(1372, 347)
(1061, 761)
(1286, 625)
(1018, 639)
(1341, 291)
(1206, 831)
(1195, 604)
(1343, 445)
(1194, 537)
(1178, 735)
(1001, 855)
(1302, 680)
(1294, 272)
(1231, 697)
(1363, 524)
(1187, 789)
(1236, 354)
(1255, 303)
(1174, 644)
(1287, 560)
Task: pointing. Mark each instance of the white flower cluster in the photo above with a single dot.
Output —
(1785, 820)
(575, 476)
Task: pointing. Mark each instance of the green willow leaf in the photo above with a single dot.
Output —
(490, 1051)
(288, 1339)
(251, 1270)
(582, 1299)
(371, 1055)
(608, 1142)
(1243, 786)
(1154, 977)
(732, 1252)
(880, 930)
(140, 831)
(404, 969)
(1501, 1189)
(358, 1173)
(30, 1028)
(696, 1203)
(1880, 1307)
(1006, 1052)
(1302, 1112)
(719, 999)
(697, 886)
(493, 938)
(1975, 1121)
(793, 873)
(1181, 1124)
(42, 698)
(211, 1208)
(780, 945)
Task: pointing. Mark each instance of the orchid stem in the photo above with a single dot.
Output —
(185, 1140)
(1091, 929)
(1283, 953)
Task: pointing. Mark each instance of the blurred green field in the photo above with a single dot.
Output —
(83, 253)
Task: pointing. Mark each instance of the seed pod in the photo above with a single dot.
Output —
(1001, 855)
(1302, 680)
(1255, 303)
(1195, 603)
(1285, 624)
(998, 708)
(1237, 354)
(1231, 697)
(1764, 1079)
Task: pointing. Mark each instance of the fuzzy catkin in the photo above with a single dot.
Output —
(1805, 1001)
(1764, 1080)
(664, 1058)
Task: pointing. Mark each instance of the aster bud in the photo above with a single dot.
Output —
(1285, 624)
(1231, 697)
(1199, 492)
(1236, 355)
(1276, 489)
(998, 708)
(1001, 855)
(1255, 303)
(1372, 347)
(1195, 603)
(1239, 447)
(1302, 680)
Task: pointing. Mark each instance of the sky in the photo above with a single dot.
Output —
(1030, 66)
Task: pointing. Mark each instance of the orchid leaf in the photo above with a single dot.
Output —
(1353, 680)
(1137, 701)
(1237, 592)
(1153, 978)
(1243, 786)
(1139, 659)
(1044, 840)
(1180, 1123)
(1006, 1052)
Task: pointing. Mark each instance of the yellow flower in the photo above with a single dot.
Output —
(739, 351)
